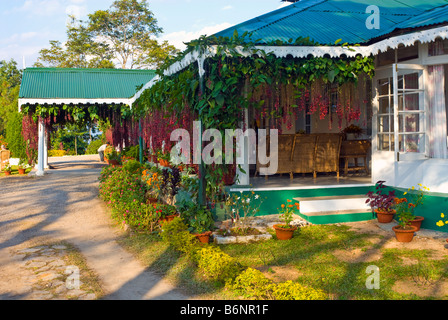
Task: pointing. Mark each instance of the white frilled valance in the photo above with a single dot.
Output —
(424, 36)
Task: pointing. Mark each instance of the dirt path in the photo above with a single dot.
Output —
(63, 206)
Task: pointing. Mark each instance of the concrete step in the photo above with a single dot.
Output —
(334, 209)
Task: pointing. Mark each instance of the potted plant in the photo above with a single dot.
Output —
(7, 169)
(285, 231)
(382, 203)
(22, 166)
(404, 231)
(166, 212)
(352, 132)
(417, 200)
(199, 220)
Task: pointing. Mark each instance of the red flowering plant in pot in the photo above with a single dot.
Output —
(417, 200)
(404, 231)
(382, 203)
(285, 231)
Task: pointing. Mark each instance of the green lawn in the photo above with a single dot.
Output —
(315, 257)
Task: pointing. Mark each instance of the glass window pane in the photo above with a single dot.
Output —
(400, 82)
(411, 81)
(383, 124)
(383, 87)
(412, 143)
(411, 122)
(411, 102)
(384, 105)
(383, 142)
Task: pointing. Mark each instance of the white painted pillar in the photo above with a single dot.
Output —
(45, 149)
(40, 149)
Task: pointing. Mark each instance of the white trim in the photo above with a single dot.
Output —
(62, 101)
(304, 51)
(302, 187)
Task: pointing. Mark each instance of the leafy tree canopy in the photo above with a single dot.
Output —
(10, 79)
(123, 36)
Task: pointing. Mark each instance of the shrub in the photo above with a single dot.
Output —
(252, 283)
(177, 235)
(217, 265)
(93, 147)
(14, 137)
(123, 191)
(290, 290)
(56, 153)
(133, 166)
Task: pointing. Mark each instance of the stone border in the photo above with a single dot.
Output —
(240, 239)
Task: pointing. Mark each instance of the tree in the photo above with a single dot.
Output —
(72, 138)
(130, 29)
(10, 79)
(126, 33)
(80, 50)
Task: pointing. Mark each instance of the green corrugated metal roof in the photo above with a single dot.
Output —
(59, 83)
(326, 21)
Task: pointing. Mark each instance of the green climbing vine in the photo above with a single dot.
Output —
(231, 80)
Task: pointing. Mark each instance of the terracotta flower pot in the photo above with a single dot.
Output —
(22, 171)
(7, 173)
(417, 222)
(204, 237)
(384, 216)
(284, 233)
(404, 235)
(168, 218)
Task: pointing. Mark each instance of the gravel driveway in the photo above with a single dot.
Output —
(63, 206)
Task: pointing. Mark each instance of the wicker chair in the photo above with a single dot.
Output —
(284, 154)
(304, 153)
(4, 158)
(328, 148)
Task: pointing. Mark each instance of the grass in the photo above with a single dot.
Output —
(90, 281)
(310, 259)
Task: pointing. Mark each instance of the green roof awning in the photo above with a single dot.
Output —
(63, 86)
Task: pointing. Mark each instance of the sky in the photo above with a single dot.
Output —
(27, 26)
